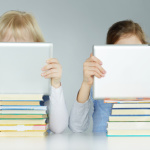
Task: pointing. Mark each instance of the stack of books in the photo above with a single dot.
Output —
(22, 115)
(129, 118)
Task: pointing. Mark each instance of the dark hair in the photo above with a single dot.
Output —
(125, 27)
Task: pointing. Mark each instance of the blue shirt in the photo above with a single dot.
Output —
(101, 114)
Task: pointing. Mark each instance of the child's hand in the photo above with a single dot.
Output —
(92, 67)
(53, 71)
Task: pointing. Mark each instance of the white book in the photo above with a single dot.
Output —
(129, 125)
(22, 112)
(23, 134)
(15, 97)
(131, 105)
(23, 127)
(128, 132)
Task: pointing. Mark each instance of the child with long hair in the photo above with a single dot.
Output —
(18, 26)
(122, 32)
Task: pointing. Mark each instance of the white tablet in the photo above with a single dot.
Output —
(127, 71)
(20, 68)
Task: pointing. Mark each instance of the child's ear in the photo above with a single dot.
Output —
(91, 55)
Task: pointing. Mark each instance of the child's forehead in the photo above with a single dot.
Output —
(17, 36)
(129, 39)
(12, 39)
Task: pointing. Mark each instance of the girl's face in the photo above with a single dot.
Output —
(129, 39)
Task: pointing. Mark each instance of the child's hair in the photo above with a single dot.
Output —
(123, 28)
(20, 23)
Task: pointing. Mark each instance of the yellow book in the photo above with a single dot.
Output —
(23, 116)
(23, 134)
(19, 102)
(22, 121)
(129, 118)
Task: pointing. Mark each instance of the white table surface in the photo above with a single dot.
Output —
(75, 141)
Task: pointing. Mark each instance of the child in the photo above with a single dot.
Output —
(123, 32)
(17, 26)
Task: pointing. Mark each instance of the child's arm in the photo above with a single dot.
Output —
(57, 111)
(80, 116)
(58, 115)
(92, 67)
(83, 108)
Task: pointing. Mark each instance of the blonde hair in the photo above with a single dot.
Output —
(19, 24)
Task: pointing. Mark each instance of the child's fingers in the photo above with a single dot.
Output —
(95, 59)
(94, 64)
(96, 70)
(49, 72)
(52, 60)
(50, 66)
(52, 75)
(93, 73)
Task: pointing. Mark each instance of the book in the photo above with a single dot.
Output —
(20, 107)
(22, 121)
(20, 103)
(129, 118)
(28, 127)
(117, 101)
(128, 132)
(128, 135)
(129, 125)
(21, 97)
(23, 116)
(128, 99)
(131, 106)
(130, 111)
(22, 112)
(22, 134)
